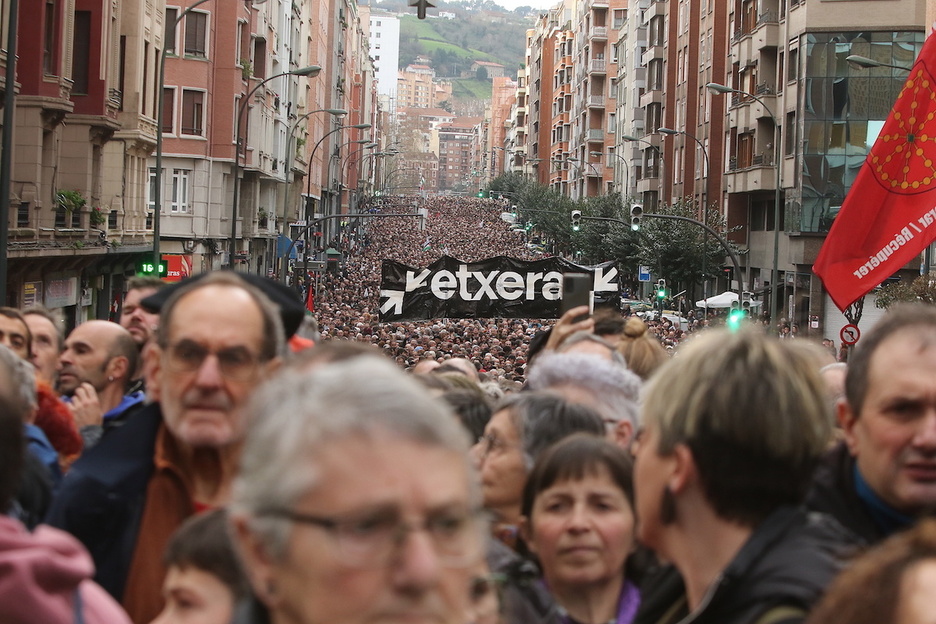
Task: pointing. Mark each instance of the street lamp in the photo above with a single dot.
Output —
(160, 120)
(863, 62)
(656, 148)
(720, 89)
(626, 170)
(308, 247)
(704, 202)
(335, 112)
(311, 70)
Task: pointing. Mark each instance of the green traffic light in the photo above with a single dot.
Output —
(661, 294)
(735, 317)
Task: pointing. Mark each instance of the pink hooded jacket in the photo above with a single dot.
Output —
(39, 575)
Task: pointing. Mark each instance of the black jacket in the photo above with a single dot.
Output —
(787, 562)
(101, 498)
(833, 492)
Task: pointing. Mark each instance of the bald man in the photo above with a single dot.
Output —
(94, 372)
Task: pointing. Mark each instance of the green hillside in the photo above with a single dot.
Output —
(454, 44)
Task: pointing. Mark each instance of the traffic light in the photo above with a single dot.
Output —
(746, 303)
(480, 193)
(735, 316)
(150, 269)
(661, 289)
(636, 215)
(576, 220)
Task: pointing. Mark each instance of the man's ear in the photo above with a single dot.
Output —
(152, 370)
(623, 433)
(848, 421)
(118, 367)
(258, 563)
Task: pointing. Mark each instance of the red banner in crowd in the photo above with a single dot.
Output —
(889, 215)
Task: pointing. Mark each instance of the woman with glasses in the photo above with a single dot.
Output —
(578, 520)
(523, 425)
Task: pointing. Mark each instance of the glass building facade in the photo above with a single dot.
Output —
(841, 112)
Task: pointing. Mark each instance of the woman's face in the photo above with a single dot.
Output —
(582, 530)
(503, 471)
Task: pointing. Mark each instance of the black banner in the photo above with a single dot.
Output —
(498, 287)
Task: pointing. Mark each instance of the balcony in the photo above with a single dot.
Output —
(656, 9)
(653, 96)
(598, 33)
(758, 175)
(745, 111)
(595, 135)
(764, 35)
(652, 53)
(598, 66)
(596, 101)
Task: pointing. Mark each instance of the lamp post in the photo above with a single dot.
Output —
(6, 153)
(312, 70)
(626, 170)
(342, 165)
(721, 89)
(160, 120)
(705, 158)
(308, 247)
(660, 173)
(335, 112)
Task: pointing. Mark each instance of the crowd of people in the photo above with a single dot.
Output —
(195, 462)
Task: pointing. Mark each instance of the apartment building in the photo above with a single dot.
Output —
(84, 180)
(459, 148)
(593, 115)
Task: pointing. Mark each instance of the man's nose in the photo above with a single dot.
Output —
(417, 567)
(209, 372)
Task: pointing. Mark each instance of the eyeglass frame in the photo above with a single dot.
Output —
(333, 525)
(175, 365)
(491, 442)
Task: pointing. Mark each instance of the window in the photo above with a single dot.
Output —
(180, 191)
(48, 52)
(81, 55)
(168, 110)
(151, 191)
(193, 111)
(172, 17)
(22, 215)
(196, 34)
(259, 70)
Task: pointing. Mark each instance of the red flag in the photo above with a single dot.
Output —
(889, 215)
(310, 300)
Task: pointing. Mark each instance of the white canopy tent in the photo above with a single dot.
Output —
(723, 300)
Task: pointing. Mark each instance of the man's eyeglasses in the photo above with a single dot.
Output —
(236, 363)
(370, 540)
(490, 443)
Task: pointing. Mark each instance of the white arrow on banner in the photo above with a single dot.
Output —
(605, 282)
(394, 300)
(414, 281)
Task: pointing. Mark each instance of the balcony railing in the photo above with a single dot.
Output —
(598, 65)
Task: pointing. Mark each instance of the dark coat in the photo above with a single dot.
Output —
(787, 562)
(833, 492)
(101, 498)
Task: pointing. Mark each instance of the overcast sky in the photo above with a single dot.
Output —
(536, 4)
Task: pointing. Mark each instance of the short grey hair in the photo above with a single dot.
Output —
(586, 336)
(297, 412)
(19, 381)
(615, 389)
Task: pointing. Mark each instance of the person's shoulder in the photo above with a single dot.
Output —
(833, 492)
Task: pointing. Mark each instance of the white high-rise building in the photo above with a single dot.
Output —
(384, 40)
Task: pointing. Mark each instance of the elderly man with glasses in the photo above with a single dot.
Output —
(356, 502)
(219, 338)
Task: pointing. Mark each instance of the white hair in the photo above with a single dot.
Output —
(297, 411)
(614, 390)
